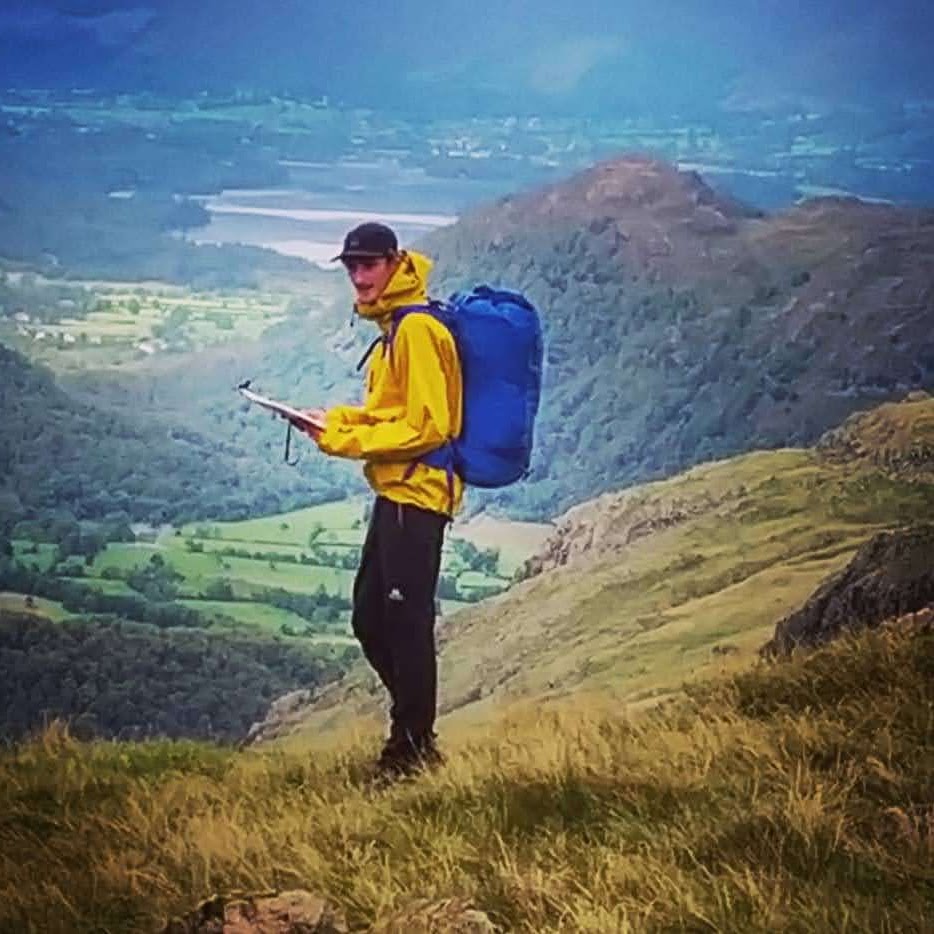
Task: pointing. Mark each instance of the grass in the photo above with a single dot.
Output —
(286, 533)
(341, 525)
(797, 797)
(288, 528)
(198, 568)
(266, 618)
(125, 317)
(103, 584)
(16, 602)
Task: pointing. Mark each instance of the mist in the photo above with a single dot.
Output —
(592, 57)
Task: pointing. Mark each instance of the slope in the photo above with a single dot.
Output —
(639, 591)
(93, 456)
(786, 799)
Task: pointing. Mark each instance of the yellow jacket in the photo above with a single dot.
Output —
(412, 402)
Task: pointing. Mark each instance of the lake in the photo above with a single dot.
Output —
(323, 201)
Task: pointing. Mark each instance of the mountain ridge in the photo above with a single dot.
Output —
(589, 59)
(682, 326)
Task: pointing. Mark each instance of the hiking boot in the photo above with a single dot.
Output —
(400, 760)
(430, 757)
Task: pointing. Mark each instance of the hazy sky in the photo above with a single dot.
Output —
(562, 54)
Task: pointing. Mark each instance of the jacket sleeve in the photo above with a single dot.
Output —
(423, 356)
(348, 415)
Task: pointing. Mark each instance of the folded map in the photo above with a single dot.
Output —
(282, 408)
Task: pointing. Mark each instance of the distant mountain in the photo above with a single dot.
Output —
(589, 56)
(683, 326)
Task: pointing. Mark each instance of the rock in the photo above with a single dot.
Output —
(301, 912)
(283, 712)
(604, 526)
(293, 912)
(451, 916)
(891, 575)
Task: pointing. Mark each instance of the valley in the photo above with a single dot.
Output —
(737, 401)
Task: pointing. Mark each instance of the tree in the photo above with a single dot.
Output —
(315, 533)
(219, 589)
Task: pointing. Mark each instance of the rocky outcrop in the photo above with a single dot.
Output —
(897, 437)
(604, 526)
(891, 575)
(293, 912)
(450, 916)
(300, 912)
(283, 713)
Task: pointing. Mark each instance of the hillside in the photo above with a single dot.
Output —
(784, 799)
(111, 443)
(682, 327)
(641, 590)
(61, 453)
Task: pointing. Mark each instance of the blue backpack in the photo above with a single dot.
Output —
(498, 336)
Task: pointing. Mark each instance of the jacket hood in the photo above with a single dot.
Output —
(408, 286)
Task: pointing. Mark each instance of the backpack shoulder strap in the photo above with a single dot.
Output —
(376, 342)
(386, 339)
(432, 308)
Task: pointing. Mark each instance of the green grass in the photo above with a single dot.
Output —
(103, 584)
(286, 533)
(268, 619)
(50, 609)
(289, 527)
(291, 530)
(795, 797)
(693, 576)
(298, 578)
(112, 333)
(198, 569)
(124, 556)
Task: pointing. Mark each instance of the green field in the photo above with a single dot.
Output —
(129, 323)
(341, 524)
(340, 521)
(333, 527)
(103, 584)
(21, 603)
(266, 618)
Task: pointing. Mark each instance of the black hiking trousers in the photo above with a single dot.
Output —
(394, 616)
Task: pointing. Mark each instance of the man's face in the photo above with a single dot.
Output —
(370, 274)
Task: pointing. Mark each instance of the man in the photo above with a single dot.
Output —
(412, 404)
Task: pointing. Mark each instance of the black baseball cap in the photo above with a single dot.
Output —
(369, 239)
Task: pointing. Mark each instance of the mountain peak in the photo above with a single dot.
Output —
(631, 186)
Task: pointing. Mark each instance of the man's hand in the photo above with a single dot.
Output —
(320, 416)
